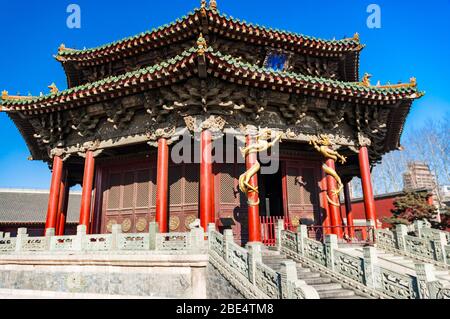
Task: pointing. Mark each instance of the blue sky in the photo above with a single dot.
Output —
(414, 40)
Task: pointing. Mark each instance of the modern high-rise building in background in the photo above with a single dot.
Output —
(419, 175)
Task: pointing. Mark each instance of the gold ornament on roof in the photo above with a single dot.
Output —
(202, 46)
(356, 37)
(53, 88)
(213, 5)
(323, 145)
(260, 145)
(4, 95)
(366, 79)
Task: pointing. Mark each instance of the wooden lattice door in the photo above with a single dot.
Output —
(301, 188)
(231, 204)
(129, 197)
(183, 195)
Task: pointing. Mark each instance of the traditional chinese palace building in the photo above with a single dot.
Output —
(207, 75)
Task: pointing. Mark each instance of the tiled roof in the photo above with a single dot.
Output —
(30, 206)
(219, 23)
(229, 68)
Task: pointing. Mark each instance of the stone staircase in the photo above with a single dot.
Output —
(326, 287)
(398, 261)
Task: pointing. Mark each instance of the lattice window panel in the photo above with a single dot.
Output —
(191, 184)
(128, 190)
(115, 180)
(143, 189)
(175, 185)
(153, 187)
(293, 188)
(309, 187)
(227, 184)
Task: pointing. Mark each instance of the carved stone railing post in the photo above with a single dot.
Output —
(116, 231)
(197, 238)
(1, 234)
(331, 243)
(425, 280)
(370, 269)
(80, 238)
(279, 227)
(254, 256)
(227, 240)
(153, 229)
(400, 232)
(301, 236)
(211, 228)
(7, 235)
(21, 234)
(438, 243)
(289, 269)
(418, 225)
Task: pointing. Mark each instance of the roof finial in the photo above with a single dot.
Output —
(356, 37)
(62, 47)
(201, 44)
(53, 88)
(366, 79)
(203, 5)
(413, 81)
(5, 95)
(213, 5)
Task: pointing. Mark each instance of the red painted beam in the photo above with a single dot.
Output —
(335, 214)
(86, 195)
(369, 201)
(52, 211)
(162, 185)
(206, 180)
(254, 222)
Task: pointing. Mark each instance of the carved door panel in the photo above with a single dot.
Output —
(231, 204)
(129, 197)
(183, 196)
(301, 188)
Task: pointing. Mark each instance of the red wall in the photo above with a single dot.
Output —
(383, 206)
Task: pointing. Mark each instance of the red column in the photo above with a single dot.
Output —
(254, 222)
(162, 185)
(86, 195)
(62, 206)
(52, 211)
(206, 180)
(335, 214)
(326, 207)
(369, 201)
(348, 210)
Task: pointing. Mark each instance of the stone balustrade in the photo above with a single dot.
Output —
(243, 267)
(365, 274)
(427, 244)
(193, 241)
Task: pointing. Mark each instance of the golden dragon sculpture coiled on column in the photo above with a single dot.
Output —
(322, 145)
(261, 144)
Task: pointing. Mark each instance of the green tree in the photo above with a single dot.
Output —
(411, 207)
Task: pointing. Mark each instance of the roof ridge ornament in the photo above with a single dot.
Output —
(201, 45)
(213, 5)
(53, 88)
(356, 37)
(6, 97)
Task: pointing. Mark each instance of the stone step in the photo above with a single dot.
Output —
(348, 297)
(317, 281)
(307, 275)
(336, 294)
(327, 287)
(303, 270)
